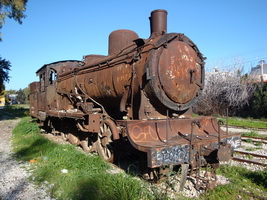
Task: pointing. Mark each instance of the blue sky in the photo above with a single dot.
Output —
(224, 30)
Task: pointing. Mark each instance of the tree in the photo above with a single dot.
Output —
(21, 96)
(14, 9)
(11, 91)
(26, 92)
(4, 69)
(259, 102)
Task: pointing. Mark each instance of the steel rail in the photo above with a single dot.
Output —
(243, 127)
(252, 137)
(253, 140)
(249, 161)
(249, 153)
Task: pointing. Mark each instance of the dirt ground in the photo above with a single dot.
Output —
(14, 175)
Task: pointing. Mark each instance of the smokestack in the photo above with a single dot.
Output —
(158, 22)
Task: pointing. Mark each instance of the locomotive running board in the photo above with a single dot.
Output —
(169, 141)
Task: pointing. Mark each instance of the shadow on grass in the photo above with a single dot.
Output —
(92, 190)
(244, 178)
(13, 112)
(38, 148)
(257, 177)
(107, 187)
(99, 185)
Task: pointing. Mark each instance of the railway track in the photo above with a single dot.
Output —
(251, 161)
(253, 158)
(254, 139)
(243, 127)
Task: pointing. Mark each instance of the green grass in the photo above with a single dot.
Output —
(258, 144)
(249, 141)
(86, 178)
(14, 111)
(244, 184)
(252, 148)
(253, 134)
(246, 123)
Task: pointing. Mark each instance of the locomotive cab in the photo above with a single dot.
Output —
(43, 94)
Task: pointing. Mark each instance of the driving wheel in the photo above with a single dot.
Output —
(104, 141)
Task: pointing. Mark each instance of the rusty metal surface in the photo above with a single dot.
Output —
(48, 101)
(120, 39)
(34, 89)
(139, 94)
(108, 79)
(225, 153)
(179, 72)
(158, 22)
(92, 58)
(143, 63)
(163, 131)
(179, 65)
(169, 141)
(94, 121)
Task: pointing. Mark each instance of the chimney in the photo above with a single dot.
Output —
(158, 22)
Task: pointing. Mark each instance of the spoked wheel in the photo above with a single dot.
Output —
(64, 136)
(104, 140)
(73, 139)
(87, 145)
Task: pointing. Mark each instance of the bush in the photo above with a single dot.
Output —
(224, 90)
(259, 102)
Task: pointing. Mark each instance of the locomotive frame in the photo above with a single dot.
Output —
(140, 95)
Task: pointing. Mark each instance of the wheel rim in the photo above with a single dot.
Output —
(64, 136)
(87, 145)
(103, 143)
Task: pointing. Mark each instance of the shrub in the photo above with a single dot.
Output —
(259, 102)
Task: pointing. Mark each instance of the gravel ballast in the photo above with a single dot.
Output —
(249, 147)
(14, 175)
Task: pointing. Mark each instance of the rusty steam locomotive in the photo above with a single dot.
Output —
(141, 94)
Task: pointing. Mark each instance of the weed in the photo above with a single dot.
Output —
(249, 157)
(258, 144)
(253, 134)
(242, 180)
(249, 141)
(251, 149)
(246, 123)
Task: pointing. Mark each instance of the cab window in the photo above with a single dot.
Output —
(52, 77)
(42, 82)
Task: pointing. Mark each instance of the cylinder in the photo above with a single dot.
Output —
(158, 22)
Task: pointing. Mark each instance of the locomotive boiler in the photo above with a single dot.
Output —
(140, 94)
